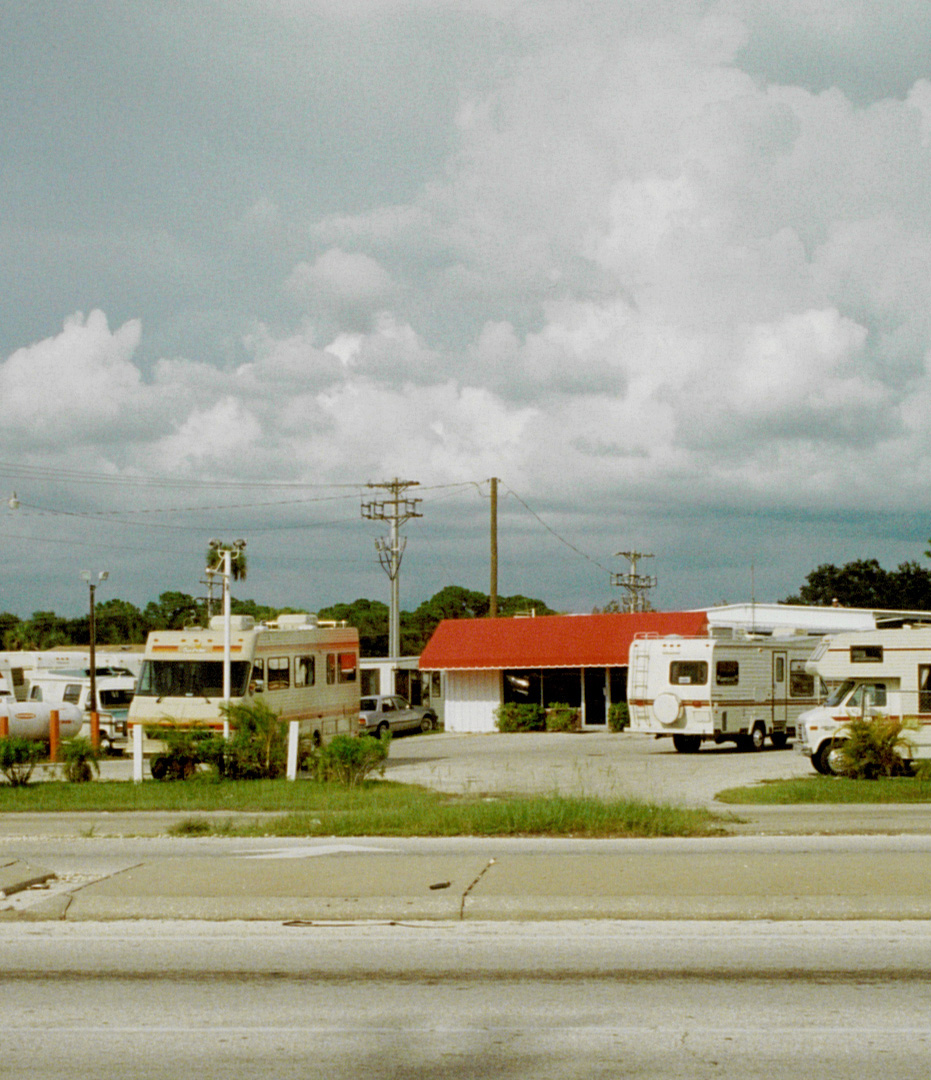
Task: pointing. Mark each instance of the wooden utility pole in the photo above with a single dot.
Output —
(493, 587)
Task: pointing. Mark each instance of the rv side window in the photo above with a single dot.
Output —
(279, 673)
(330, 668)
(801, 684)
(924, 688)
(303, 671)
(347, 667)
(72, 693)
(688, 672)
(727, 673)
(866, 654)
(258, 670)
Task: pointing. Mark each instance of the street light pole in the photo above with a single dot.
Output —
(92, 589)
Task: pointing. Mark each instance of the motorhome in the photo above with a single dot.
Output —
(725, 687)
(872, 673)
(114, 688)
(302, 671)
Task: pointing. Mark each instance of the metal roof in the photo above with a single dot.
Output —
(549, 641)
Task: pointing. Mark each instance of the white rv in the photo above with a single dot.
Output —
(872, 673)
(723, 688)
(31, 719)
(302, 671)
(114, 686)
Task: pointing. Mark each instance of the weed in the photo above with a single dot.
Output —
(80, 759)
(18, 759)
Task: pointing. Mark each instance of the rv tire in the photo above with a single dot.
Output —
(779, 739)
(822, 758)
(756, 738)
(687, 744)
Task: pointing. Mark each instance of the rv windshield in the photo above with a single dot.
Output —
(191, 678)
(838, 694)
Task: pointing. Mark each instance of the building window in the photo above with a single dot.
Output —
(688, 673)
(727, 673)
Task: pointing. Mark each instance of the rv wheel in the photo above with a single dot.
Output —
(825, 759)
(756, 738)
(687, 744)
(779, 739)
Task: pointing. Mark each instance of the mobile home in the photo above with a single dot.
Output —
(874, 673)
(726, 687)
(302, 671)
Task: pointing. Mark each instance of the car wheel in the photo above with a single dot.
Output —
(779, 739)
(825, 759)
(427, 722)
(687, 744)
(381, 729)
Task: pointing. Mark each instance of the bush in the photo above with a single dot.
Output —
(509, 718)
(18, 757)
(618, 716)
(257, 748)
(183, 749)
(873, 748)
(562, 718)
(349, 759)
(80, 759)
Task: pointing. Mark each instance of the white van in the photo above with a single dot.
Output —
(726, 687)
(115, 689)
(872, 673)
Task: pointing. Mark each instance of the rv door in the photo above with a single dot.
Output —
(780, 695)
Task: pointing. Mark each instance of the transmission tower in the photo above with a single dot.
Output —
(636, 585)
(397, 509)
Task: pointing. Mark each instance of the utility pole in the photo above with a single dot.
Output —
(397, 510)
(637, 585)
(493, 586)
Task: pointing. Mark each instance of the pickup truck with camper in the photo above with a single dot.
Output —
(872, 673)
(724, 687)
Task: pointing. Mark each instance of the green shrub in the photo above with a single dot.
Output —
(257, 748)
(873, 748)
(80, 759)
(183, 749)
(18, 758)
(513, 717)
(562, 717)
(349, 759)
(618, 716)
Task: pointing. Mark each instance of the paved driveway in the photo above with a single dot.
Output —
(606, 765)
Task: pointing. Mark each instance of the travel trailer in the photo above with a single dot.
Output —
(114, 687)
(302, 671)
(872, 673)
(727, 687)
(31, 719)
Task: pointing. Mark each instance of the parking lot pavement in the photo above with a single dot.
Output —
(606, 765)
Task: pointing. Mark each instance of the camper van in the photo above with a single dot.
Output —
(302, 671)
(871, 673)
(114, 686)
(726, 687)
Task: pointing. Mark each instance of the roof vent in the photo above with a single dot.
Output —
(237, 622)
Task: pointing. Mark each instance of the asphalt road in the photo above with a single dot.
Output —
(466, 1001)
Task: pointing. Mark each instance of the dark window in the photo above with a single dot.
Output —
(780, 670)
(801, 684)
(688, 672)
(727, 673)
(190, 678)
(866, 654)
(330, 669)
(72, 693)
(924, 688)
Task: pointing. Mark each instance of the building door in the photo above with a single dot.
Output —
(595, 688)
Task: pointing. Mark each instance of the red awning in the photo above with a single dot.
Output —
(550, 641)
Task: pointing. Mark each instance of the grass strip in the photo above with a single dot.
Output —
(828, 789)
(376, 808)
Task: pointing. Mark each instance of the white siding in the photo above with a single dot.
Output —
(471, 700)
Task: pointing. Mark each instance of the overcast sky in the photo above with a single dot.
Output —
(664, 268)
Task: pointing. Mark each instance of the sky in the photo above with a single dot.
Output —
(664, 269)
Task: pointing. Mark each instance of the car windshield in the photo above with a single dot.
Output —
(838, 694)
(191, 678)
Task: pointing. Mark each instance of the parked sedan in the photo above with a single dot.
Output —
(391, 712)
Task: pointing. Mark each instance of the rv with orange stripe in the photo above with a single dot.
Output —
(725, 687)
(303, 671)
(873, 673)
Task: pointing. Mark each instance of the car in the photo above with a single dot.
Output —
(391, 712)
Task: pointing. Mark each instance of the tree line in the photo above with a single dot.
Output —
(118, 622)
